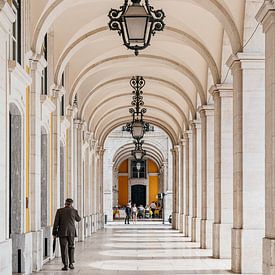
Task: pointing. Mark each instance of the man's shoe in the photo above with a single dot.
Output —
(65, 268)
(71, 266)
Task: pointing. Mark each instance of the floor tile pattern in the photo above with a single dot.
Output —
(144, 248)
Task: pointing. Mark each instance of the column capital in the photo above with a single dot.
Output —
(38, 62)
(71, 111)
(246, 61)
(87, 136)
(100, 151)
(206, 110)
(78, 124)
(221, 90)
(185, 136)
(266, 14)
(175, 149)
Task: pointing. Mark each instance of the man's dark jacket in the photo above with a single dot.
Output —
(64, 223)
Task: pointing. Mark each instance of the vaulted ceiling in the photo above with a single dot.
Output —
(179, 66)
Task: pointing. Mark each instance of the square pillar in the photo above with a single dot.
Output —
(266, 16)
(248, 162)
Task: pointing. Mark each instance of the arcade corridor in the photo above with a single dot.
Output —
(165, 106)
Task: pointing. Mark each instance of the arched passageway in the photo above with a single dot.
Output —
(209, 163)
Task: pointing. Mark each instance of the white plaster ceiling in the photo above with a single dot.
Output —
(176, 66)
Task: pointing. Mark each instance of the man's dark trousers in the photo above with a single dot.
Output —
(67, 249)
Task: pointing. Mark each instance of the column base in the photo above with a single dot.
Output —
(181, 223)
(209, 233)
(222, 241)
(87, 229)
(47, 244)
(93, 223)
(189, 226)
(194, 229)
(247, 250)
(198, 233)
(203, 234)
(268, 256)
(96, 222)
(22, 247)
(186, 226)
(175, 220)
(6, 257)
(37, 250)
(81, 230)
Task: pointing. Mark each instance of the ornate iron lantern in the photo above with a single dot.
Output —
(137, 127)
(138, 153)
(136, 23)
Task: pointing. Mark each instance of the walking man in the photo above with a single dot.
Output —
(128, 212)
(64, 228)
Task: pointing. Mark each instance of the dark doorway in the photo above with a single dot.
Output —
(138, 194)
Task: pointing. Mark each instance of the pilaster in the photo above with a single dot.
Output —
(37, 65)
(182, 187)
(194, 181)
(175, 219)
(78, 126)
(266, 16)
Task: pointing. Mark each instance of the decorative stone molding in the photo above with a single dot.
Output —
(38, 63)
(19, 73)
(246, 61)
(267, 7)
(206, 110)
(47, 108)
(78, 123)
(7, 16)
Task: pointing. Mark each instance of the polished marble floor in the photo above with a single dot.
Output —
(145, 248)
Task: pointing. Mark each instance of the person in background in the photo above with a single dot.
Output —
(134, 214)
(153, 208)
(64, 228)
(128, 212)
(141, 211)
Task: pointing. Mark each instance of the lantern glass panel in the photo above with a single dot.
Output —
(137, 130)
(138, 155)
(136, 20)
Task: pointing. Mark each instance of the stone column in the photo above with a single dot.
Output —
(101, 184)
(70, 117)
(217, 173)
(207, 122)
(198, 219)
(203, 180)
(194, 182)
(78, 124)
(223, 170)
(186, 185)
(37, 65)
(182, 179)
(175, 218)
(55, 152)
(248, 162)
(266, 16)
(93, 185)
(166, 191)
